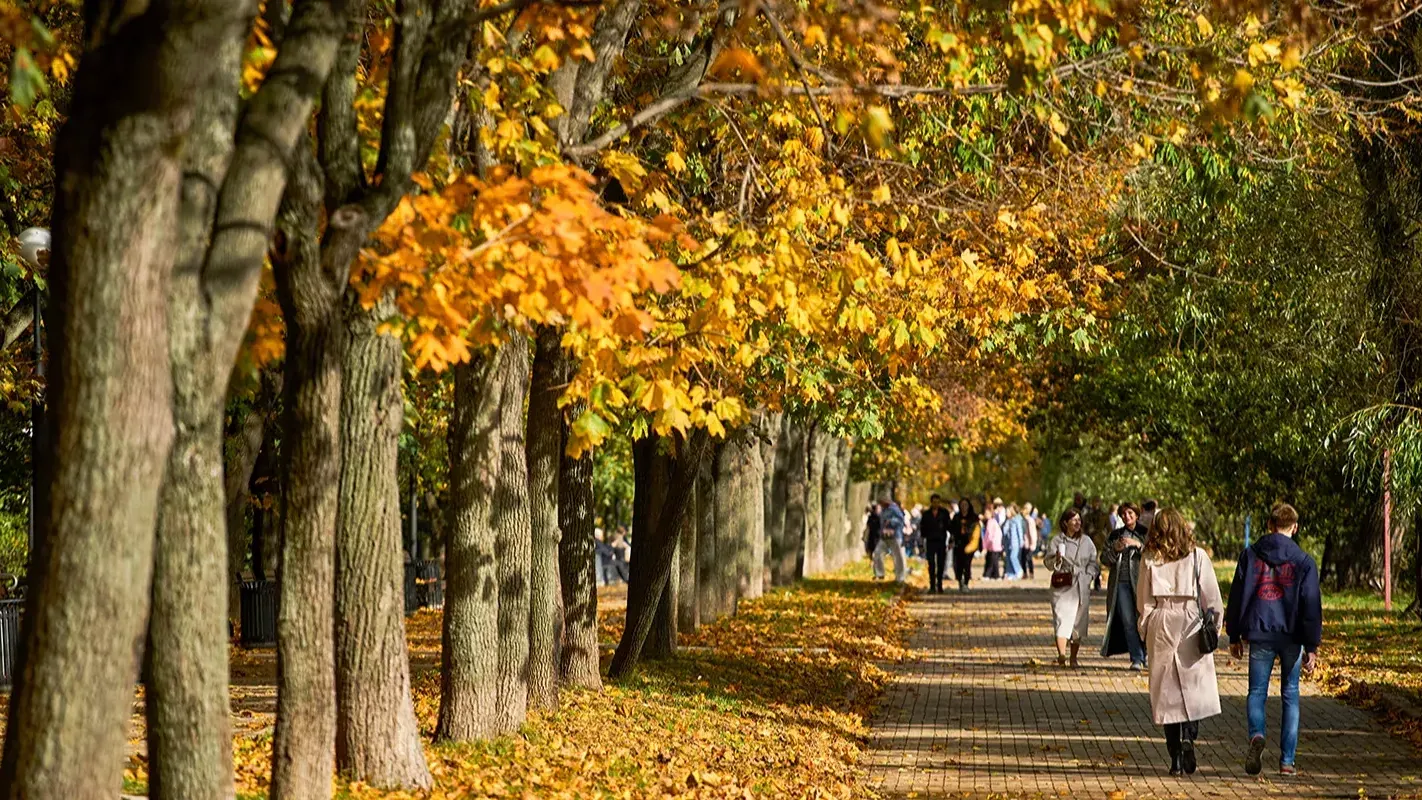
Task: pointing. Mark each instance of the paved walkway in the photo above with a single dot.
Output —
(984, 712)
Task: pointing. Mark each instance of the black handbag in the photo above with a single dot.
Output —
(1209, 624)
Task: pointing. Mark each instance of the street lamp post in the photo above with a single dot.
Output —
(34, 249)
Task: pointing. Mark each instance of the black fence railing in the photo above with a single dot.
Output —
(10, 613)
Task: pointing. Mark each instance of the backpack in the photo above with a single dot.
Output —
(872, 534)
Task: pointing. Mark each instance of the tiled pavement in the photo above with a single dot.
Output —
(984, 712)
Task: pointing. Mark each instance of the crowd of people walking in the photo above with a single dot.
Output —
(1164, 607)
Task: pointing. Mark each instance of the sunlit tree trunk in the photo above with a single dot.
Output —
(545, 438)
(377, 737)
(469, 676)
(110, 418)
(577, 562)
(512, 539)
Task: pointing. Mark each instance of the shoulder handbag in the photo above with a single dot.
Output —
(1209, 626)
(975, 539)
(1063, 579)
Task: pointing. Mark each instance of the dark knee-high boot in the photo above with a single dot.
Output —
(1173, 746)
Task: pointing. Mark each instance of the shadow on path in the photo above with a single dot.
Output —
(984, 712)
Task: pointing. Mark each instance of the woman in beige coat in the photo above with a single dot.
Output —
(1073, 554)
(1177, 579)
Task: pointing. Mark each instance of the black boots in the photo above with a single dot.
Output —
(1187, 756)
(1176, 768)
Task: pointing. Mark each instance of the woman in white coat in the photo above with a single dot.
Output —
(1072, 559)
(1177, 581)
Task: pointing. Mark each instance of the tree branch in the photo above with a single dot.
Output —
(256, 177)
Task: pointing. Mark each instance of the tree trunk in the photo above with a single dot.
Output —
(708, 580)
(545, 438)
(512, 540)
(469, 675)
(754, 494)
(814, 502)
(772, 512)
(577, 566)
(835, 522)
(194, 587)
(110, 424)
(310, 290)
(652, 564)
(688, 612)
(748, 490)
(728, 527)
(792, 555)
(651, 470)
(377, 737)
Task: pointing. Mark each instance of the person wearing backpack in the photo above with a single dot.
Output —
(1276, 606)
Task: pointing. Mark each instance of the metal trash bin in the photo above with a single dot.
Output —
(412, 589)
(259, 613)
(429, 584)
(10, 612)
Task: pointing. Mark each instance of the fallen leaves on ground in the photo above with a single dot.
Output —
(1370, 659)
(771, 702)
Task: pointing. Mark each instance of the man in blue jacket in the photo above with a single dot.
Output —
(1275, 605)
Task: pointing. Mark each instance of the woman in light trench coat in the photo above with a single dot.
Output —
(1072, 553)
(1176, 580)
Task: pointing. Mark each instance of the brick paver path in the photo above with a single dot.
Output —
(984, 712)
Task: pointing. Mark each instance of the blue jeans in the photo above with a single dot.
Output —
(1126, 613)
(1261, 669)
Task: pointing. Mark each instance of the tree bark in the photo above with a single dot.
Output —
(792, 554)
(110, 426)
(747, 488)
(835, 539)
(708, 581)
(755, 517)
(377, 737)
(193, 592)
(728, 525)
(577, 565)
(651, 470)
(772, 506)
(545, 438)
(469, 675)
(310, 285)
(814, 502)
(688, 611)
(652, 564)
(512, 540)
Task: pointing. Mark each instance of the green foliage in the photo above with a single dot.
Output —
(613, 482)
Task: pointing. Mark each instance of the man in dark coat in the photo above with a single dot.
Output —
(1122, 554)
(934, 527)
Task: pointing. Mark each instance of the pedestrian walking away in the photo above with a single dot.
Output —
(1122, 555)
(934, 526)
(1072, 560)
(1029, 540)
(967, 538)
(891, 539)
(992, 546)
(1012, 535)
(1275, 606)
(1179, 604)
